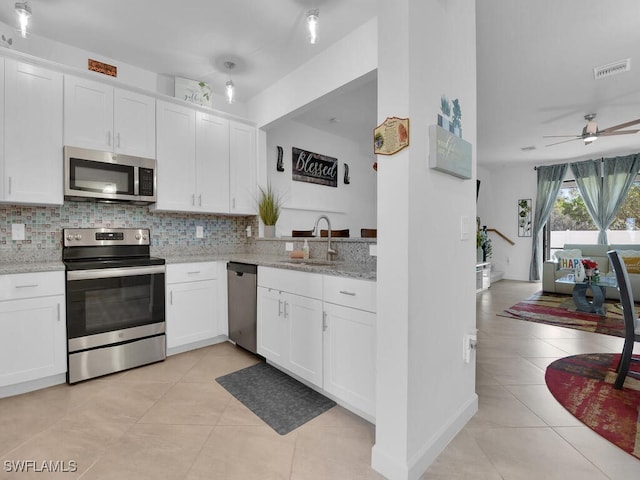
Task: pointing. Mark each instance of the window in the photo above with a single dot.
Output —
(570, 221)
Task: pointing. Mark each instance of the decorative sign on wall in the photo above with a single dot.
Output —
(314, 168)
(448, 153)
(104, 68)
(279, 163)
(524, 217)
(194, 92)
(391, 136)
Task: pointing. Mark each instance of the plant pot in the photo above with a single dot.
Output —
(269, 231)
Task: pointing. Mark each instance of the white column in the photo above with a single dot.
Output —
(426, 274)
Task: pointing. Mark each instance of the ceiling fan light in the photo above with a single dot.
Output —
(312, 26)
(590, 139)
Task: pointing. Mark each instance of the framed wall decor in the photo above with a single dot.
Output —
(524, 217)
(192, 91)
(313, 168)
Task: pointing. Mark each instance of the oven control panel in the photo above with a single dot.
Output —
(87, 237)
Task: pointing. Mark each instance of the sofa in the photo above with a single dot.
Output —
(557, 267)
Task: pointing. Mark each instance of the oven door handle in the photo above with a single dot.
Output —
(114, 272)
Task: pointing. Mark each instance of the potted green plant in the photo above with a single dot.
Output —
(269, 205)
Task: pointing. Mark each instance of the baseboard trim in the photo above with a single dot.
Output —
(393, 469)
(25, 387)
(195, 345)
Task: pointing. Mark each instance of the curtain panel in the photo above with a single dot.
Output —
(549, 182)
(604, 186)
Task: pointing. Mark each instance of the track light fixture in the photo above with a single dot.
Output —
(312, 25)
(229, 86)
(24, 13)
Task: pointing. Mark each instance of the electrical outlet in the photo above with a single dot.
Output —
(248, 230)
(288, 247)
(199, 231)
(373, 250)
(469, 344)
(17, 231)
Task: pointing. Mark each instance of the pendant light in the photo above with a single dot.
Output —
(229, 86)
(312, 25)
(24, 13)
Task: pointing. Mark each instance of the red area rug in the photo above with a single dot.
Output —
(559, 310)
(583, 384)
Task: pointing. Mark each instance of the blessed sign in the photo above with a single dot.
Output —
(314, 168)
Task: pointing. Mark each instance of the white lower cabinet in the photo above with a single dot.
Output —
(321, 328)
(290, 325)
(32, 327)
(350, 356)
(350, 341)
(192, 309)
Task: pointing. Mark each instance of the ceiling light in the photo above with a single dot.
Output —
(590, 130)
(312, 25)
(230, 89)
(24, 13)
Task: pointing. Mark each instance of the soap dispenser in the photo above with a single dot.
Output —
(305, 249)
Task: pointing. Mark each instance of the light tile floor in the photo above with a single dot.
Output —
(171, 420)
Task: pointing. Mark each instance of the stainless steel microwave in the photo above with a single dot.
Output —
(108, 177)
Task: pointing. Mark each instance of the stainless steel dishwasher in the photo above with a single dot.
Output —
(242, 287)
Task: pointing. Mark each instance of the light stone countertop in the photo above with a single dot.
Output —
(31, 267)
(338, 268)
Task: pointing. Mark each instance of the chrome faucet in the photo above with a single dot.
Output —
(330, 251)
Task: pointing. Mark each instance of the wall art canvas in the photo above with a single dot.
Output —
(314, 168)
(192, 91)
(448, 153)
(524, 217)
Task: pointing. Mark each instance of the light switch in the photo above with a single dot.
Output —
(17, 231)
(464, 228)
(199, 231)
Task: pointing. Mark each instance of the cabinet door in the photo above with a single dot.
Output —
(88, 114)
(176, 158)
(32, 339)
(242, 168)
(134, 124)
(273, 327)
(212, 163)
(305, 337)
(349, 356)
(33, 134)
(191, 312)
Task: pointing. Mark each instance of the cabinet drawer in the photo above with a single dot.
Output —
(191, 272)
(30, 285)
(299, 283)
(350, 292)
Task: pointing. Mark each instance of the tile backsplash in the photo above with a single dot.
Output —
(169, 231)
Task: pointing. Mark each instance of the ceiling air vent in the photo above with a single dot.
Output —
(528, 149)
(614, 68)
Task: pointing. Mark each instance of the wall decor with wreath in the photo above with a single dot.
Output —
(524, 217)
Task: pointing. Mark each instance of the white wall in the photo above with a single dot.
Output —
(500, 190)
(351, 206)
(425, 392)
(346, 60)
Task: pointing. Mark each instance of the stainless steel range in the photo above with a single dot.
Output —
(115, 301)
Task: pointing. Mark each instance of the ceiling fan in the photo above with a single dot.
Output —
(590, 132)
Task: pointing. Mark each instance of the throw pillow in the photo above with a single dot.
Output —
(631, 259)
(568, 259)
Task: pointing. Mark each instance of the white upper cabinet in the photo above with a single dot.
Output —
(100, 117)
(242, 168)
(176, 158)
(32, 135)
(212, 163)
